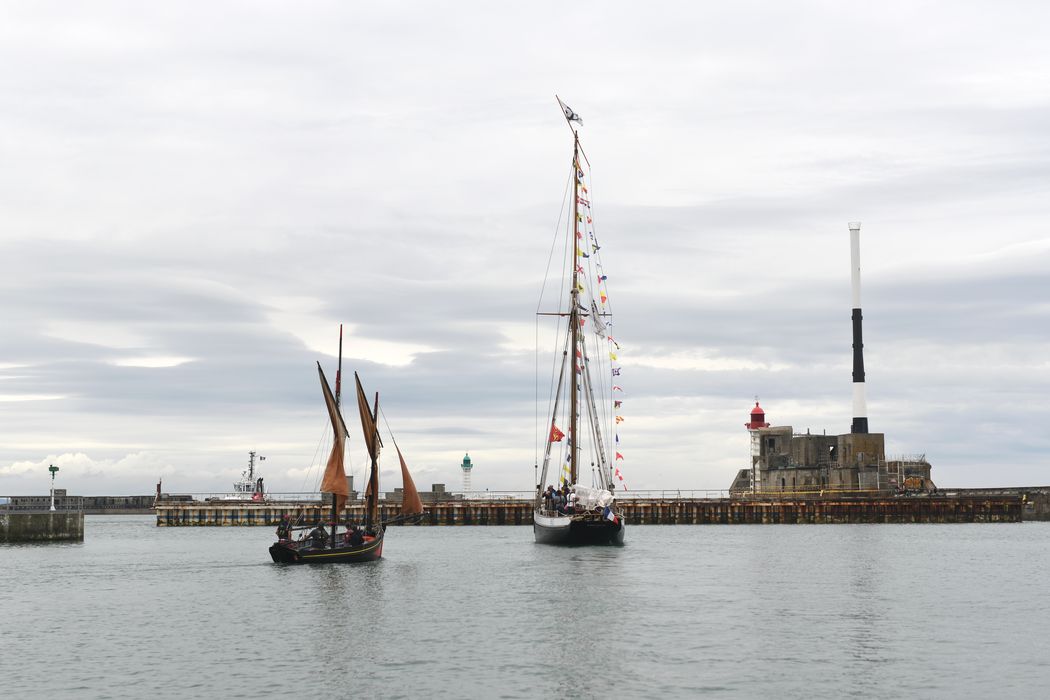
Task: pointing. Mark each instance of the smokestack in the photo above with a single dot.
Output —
(860, 403)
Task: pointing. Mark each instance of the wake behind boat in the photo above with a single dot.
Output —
(297, 543)
(566, 511)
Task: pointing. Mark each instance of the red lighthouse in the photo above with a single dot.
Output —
(758, 418)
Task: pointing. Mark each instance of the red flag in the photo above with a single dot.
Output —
(556, 435)
(619, 456)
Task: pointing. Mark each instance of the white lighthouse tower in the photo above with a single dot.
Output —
(466, 466)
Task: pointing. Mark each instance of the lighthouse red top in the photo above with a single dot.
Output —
(758, 418)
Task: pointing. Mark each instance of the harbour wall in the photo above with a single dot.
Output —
(668, 511)
(1035, 499)
(57, 526)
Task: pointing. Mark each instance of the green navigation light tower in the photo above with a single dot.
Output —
(52, 468)
(466, 466)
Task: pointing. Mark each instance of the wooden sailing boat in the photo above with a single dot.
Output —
(589, 514)
(316, 543)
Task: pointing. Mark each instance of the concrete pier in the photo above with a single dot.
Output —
(48, 526)
(665, 511)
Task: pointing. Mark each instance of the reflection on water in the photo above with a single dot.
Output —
(738, 611)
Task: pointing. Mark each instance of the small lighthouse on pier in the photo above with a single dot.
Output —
(466, 466)
(757, 422)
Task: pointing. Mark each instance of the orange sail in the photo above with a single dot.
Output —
(373, 441)
(411, 504)
(334, 481)
(368, 423)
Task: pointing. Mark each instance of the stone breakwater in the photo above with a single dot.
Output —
(58, 526)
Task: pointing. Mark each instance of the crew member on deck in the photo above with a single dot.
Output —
(283, 527)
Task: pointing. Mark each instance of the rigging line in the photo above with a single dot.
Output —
(594, 218)
(316, 458)
(598, 266)
(554, 242)
(570, 240)
(539, 305)
(387, 424)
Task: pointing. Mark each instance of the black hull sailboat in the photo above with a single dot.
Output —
(566, 511)
(316, 543)
(291, 552)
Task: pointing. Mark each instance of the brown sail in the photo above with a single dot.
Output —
(334, 481)
(368, 423)
(374, 442)
(411, 504)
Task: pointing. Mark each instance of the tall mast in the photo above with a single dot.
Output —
(339, 369)
(338, 391)
(574, 315)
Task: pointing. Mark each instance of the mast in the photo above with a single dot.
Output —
(339, 369)
(372, 514)
(574, 315)
(338, 391)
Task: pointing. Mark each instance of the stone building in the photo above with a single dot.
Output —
(786, 463)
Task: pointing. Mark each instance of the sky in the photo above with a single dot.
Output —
(193, 197)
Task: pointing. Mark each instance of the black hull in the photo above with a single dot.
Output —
(597, 532)
(580, 531)
(287, 552)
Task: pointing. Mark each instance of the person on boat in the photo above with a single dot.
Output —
(355, 536)
(283, 527)
(319, 536)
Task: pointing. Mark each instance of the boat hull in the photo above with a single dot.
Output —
(288, 552)
(577, 530)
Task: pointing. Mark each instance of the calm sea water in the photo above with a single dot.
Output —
(830, 611)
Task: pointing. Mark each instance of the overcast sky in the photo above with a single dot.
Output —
(194, 195)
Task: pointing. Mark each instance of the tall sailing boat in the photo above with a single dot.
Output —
(315, 543)
(568, 511)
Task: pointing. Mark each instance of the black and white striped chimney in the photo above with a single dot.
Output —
(860, 403)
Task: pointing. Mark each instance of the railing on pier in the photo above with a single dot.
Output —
(40, 504)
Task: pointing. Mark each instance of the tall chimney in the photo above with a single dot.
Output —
(860, 403)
